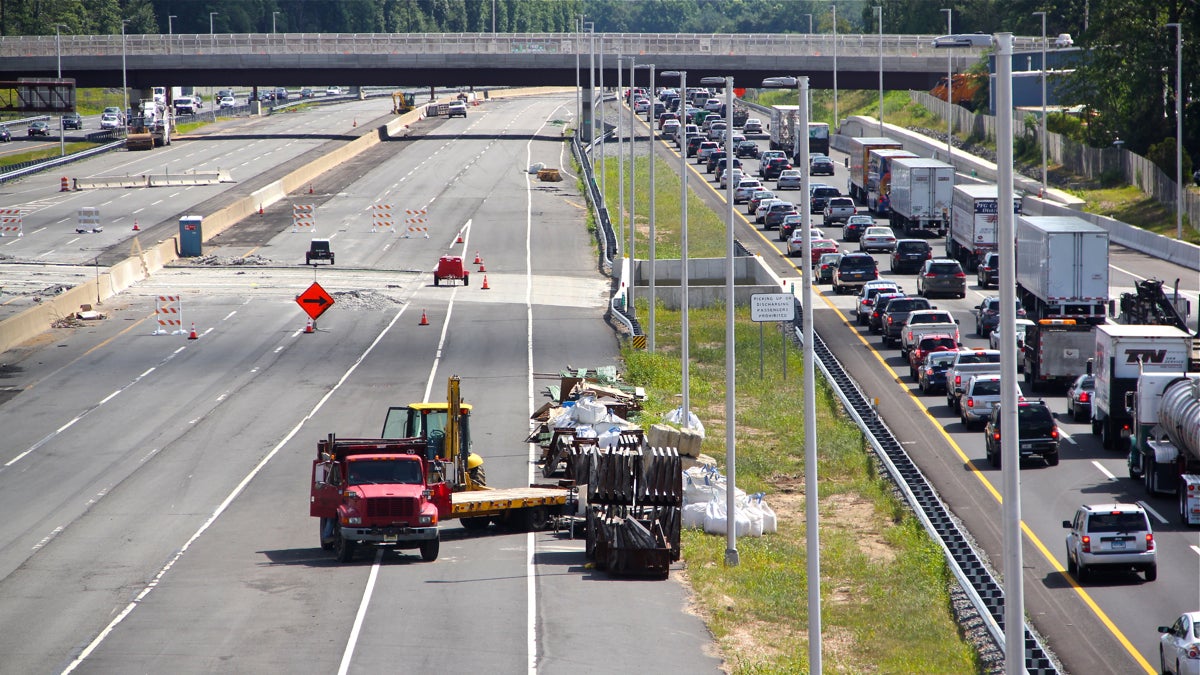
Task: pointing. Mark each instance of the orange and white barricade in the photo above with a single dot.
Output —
(12, 221)
(303, 218)
(415, 222)
(382, 219)
(168, 311)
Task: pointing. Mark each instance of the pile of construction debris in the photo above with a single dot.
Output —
(360, 299)
(588, 408)
(227, 261)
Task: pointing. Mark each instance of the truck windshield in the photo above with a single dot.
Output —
(384, 471)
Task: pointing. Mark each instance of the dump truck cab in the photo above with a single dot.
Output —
(375, 492)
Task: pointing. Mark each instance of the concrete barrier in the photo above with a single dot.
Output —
(110, 182)
(195, 178)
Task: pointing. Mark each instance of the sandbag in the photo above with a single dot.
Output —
(588, 411)
(755, 514)
(715, 520)
(693, 515)
(770, 521)
(609, 438)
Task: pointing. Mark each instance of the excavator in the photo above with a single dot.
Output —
(403, 102)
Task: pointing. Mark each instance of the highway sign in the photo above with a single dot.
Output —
(772, 307)
(314, 301)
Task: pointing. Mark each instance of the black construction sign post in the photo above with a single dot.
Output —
(771, 307)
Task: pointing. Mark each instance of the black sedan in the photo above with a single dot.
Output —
(1079, 397)
(39, 128)
(820, 166)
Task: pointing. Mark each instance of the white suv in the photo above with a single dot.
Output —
(1115, 536)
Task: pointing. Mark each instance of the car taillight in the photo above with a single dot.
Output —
(1192, 651)
(1053, 432)
(929, 371)
(957, 380)
(995, 435)
(1149, 541)
(931, 275)
(960, 275)
(929, 255)
(889, 319)
(1085, 542)
(1083, 397)
(874, 315)
(970, 402)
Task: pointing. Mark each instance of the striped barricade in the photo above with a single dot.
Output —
(12, 221)
(168, 310)
(382, 218)
(303, 218)
(415, 222)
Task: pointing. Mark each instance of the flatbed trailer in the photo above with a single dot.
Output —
(530, 508)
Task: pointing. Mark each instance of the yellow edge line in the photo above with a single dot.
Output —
(1087, 599)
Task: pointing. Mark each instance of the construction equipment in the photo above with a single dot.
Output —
(403, 102)
(447, 443)
(149, 127)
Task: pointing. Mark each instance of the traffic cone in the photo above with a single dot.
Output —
(356, 122)
(192, 335)
(308, 328)
(478, 260)
(310, 191)
(485, 284)
(135, 227)
(260, 209)
(425, 319)
(460, 239)
(481, 267)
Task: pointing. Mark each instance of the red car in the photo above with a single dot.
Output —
(940, 342)
(819, 246)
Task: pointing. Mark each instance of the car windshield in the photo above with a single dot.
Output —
(935, 343)
(1087, 383)
(979, 357)
(1117, 522)
(944, 268)
(826, 192)
(987, 387)
(384, 471)
(941, 359)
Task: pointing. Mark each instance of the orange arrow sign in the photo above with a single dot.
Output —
(314, 301)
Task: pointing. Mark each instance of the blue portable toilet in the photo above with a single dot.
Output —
(191, 235)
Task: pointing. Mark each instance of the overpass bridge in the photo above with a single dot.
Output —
(453, 59)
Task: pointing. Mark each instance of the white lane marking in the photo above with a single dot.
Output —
(1152, 512)
(237, 490)
(46, 540)
(1067, 437)
(229, 315)
(1103, 470)
(362, 613)
(1196, 549)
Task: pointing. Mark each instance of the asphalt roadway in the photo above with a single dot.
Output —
(156, 487)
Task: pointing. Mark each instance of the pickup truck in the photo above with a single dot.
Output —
(897, 313)
(926, 322)
(838, 210)
(966, 363)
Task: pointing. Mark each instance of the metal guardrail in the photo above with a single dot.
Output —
(848, 44)
(32, 167)
(985, 593)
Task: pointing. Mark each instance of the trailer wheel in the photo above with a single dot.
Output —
(429, 550)
(1106, 439)
(343, 548)
(532, 519)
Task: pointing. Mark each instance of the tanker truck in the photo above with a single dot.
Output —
(1165, 445)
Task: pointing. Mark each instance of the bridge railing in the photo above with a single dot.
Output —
(821, 44)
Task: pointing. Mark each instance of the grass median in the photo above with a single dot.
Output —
(885, 588)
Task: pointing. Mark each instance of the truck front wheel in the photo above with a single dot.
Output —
(429, 550)
(343, 548)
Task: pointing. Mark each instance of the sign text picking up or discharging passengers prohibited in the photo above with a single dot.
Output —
(771, 307)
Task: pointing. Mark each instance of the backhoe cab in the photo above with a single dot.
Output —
(447, 438)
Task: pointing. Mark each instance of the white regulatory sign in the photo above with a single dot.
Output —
(772, 307)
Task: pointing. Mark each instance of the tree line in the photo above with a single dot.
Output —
(1126, 75)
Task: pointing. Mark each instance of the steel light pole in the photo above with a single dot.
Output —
(809, 386)
(620, 167)
(1043, 78)
(632, 187)
(1178, 129)
(170, 26)
(833, 8)
(949, 93)
(879, 12)
(273, 15)
(124, 81)
(603, 131)
(211, 40)
(1014, 580)
(493, 17)
(683, 259)
(731, 552)
(58, 46)
(809, 22)
(652, 299)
